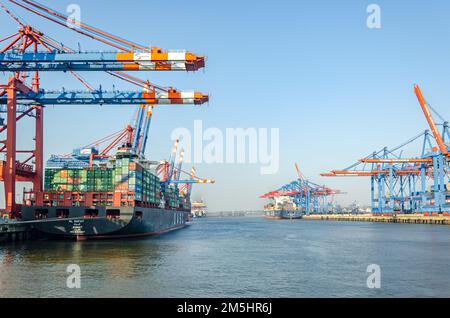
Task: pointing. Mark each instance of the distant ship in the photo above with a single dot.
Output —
(282, 208)
(198, 209)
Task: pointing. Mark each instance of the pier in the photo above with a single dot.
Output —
(395, 218)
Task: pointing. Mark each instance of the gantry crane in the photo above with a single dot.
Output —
(405, 185)
(30, 50)
(307, 196)
(170, 175)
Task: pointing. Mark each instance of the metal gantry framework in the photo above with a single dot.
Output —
(402, 184)
(153, 60)
(307, 196)
(85, 156)
(169, 174)
(100, 97)
(30, 51)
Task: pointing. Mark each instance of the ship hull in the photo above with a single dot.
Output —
(283, 215)
(108, 223)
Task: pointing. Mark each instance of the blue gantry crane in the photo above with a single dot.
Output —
(153, 59)
(401, 184)
(170, 174)
(100, 97)
(307, 196)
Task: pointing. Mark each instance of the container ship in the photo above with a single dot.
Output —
(120, 197)
(198, 209)
(282, 208)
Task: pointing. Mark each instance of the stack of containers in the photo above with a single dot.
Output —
(79, 180)
(131, 176)
(184, 202)
(121, 174)
(126, 175)
(135, 177)
(102, 180)
(49, 179)
(65, 180)
(151, 187)
(172, 196)
(158, 190)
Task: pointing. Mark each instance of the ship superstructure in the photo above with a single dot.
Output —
(199, 209)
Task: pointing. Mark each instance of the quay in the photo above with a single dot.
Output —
(394, 218)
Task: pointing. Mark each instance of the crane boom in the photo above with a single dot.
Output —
(138, 127)
(192, 181)
(108, 98)
(96, 67)
(155, 60)
(155, 55)
(172, 159)
(180, 163)
(430, 120)
(371, 173)
(148, 120)
(189, 186)
(396, 160)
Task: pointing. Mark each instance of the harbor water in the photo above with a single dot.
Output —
(239, 257)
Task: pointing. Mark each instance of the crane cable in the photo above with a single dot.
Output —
(88, 30)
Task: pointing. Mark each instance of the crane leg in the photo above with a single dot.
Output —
(10, 169)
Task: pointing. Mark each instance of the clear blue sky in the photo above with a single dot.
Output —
(336, 89)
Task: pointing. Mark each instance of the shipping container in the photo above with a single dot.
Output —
(123, 175)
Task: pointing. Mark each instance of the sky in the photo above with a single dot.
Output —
(336, 89)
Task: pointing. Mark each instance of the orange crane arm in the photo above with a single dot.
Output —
(431, 123)
(395, 160)
(300, 176)
(370, 173)
(354, 173)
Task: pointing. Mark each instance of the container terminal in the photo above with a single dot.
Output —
(94, 192)
(401, 184)
(404, 189)
(299, 197)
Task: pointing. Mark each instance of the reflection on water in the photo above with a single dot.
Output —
(238, 257)
(116, 258)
